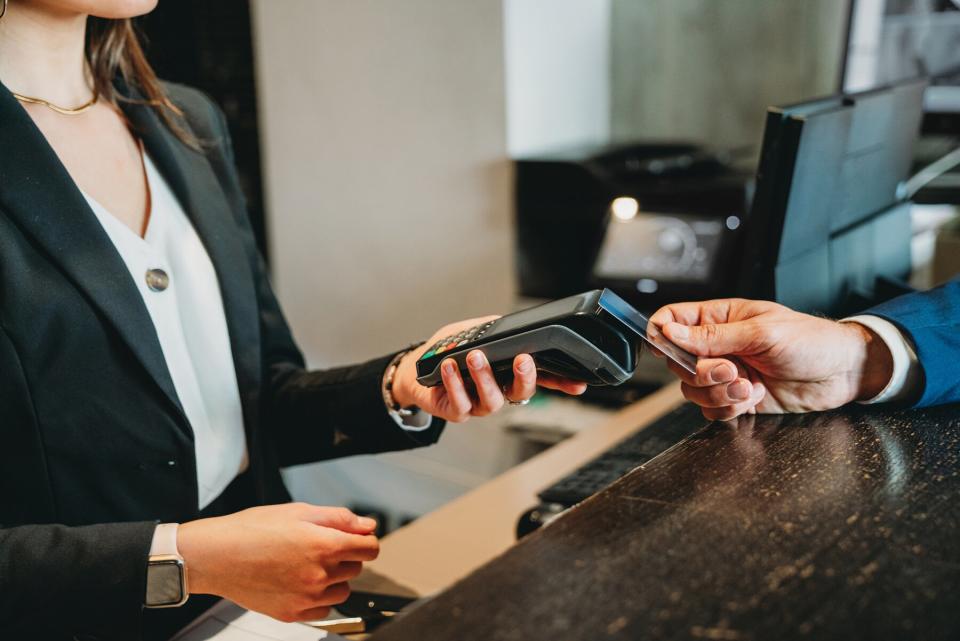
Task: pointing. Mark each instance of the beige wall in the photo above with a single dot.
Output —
(707, 69)
(388, 191)
(558, 74)
(386, 168)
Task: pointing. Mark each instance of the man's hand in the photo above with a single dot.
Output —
(291, 562)
(454, 400)
(758, 356)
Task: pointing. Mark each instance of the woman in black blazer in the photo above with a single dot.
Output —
(97, 447)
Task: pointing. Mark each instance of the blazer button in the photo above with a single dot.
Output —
(157, 280)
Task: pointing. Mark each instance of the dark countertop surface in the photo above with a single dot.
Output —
(841, 525)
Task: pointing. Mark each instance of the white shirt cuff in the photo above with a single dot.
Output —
(906, 365)
(416, 422)
(165, 540)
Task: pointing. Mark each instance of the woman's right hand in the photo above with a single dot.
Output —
(291, 562)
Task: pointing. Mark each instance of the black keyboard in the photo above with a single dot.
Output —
(629, 453)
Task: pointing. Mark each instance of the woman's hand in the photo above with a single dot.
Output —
(453, 400)
(757, 356)
(291, 562)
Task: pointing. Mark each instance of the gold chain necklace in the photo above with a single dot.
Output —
(60, 110)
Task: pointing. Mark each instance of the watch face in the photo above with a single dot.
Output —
(164, 583)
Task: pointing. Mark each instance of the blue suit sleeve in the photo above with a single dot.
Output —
(931, 320)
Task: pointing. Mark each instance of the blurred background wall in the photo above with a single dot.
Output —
(387, 173)
(386, 167)
(707, 69)
(558, 73)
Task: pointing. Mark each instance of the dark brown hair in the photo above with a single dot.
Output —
(113, 49)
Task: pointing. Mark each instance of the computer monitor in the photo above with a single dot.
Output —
(829, 230)
(889, 41)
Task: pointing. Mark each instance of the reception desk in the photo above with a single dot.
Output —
(837, 525)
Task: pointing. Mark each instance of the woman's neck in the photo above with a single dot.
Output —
(42, 54)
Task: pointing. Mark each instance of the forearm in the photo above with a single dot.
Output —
(338, 412)
(93, 576)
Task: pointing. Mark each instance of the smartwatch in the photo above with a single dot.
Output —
(166, 570)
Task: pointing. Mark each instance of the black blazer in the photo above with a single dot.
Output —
(94, 445)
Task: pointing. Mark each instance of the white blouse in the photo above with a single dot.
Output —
(191, 326)
(179, 286)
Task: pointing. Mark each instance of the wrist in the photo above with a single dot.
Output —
(873, 363)
(404, 379)
(167, 584)
(190, 544)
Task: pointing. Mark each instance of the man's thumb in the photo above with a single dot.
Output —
(713, 339)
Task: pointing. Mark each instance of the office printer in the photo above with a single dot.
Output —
(656, 222)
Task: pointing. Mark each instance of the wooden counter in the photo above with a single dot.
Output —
(840, 525)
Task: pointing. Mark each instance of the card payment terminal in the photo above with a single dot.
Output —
(592, 337)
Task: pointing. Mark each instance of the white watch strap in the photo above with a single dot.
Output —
(165, 540)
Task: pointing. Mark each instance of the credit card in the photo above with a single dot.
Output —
(677, 354)
(650, 333)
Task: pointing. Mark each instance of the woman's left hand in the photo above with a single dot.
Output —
(454, 400)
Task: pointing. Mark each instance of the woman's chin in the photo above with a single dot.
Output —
(109, 9)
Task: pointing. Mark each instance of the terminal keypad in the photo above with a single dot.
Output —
(465, 337)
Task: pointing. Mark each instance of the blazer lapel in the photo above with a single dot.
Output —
(38, 194)
(196, 186)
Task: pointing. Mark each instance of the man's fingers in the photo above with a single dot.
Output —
(710, 311)
(663, 316)
(713, 339)
(684, 313)
(710, 371)
(713, 371)
(524, 383)
(723, 394)
(730, 412)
